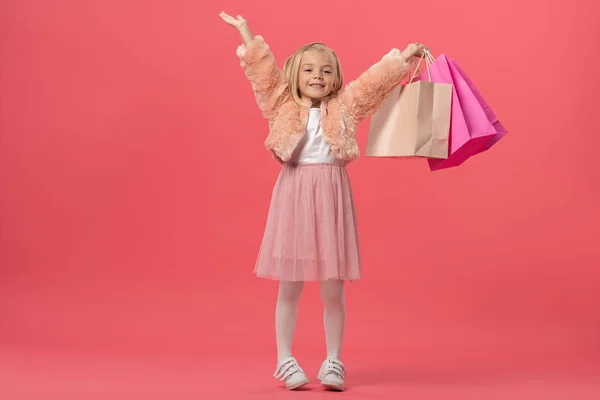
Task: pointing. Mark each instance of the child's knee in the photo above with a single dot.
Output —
(289, 292)
(332, 296)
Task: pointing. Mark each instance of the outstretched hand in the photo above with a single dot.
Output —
(238, 23)
(416, 49)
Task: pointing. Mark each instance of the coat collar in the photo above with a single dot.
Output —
(308, 103)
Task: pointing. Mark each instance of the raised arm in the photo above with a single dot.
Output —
(363, 96)
(268, 81)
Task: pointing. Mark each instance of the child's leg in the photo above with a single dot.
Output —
(286, 314)
(334, 316)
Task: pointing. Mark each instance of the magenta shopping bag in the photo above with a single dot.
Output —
(470, 128)
(500, 129)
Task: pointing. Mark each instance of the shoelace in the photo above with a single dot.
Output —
(336, 367)
(287, 368)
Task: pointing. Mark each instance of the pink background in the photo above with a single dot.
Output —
(134, 188)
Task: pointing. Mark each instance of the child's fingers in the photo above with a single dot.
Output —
(226, 16)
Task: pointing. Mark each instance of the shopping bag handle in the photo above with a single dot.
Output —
(428, 57)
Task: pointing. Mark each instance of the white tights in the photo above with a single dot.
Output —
(334, 316)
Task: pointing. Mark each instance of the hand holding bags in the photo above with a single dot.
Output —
(413, 121)
(420, 120)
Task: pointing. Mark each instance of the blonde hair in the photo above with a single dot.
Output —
(292, 70)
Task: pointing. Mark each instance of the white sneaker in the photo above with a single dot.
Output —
(332, 374)
(290, 372)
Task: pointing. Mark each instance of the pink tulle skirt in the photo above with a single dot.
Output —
(311, 232)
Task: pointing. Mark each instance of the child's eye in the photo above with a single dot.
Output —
(307, 70)
(327, 72)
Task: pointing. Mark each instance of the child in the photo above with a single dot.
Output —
(311, 232)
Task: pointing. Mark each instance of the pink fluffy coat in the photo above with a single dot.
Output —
(339, 115)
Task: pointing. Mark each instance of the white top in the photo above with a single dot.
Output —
(313, 148)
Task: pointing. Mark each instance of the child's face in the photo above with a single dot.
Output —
(317, 74)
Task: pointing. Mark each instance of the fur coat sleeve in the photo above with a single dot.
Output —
(363, 96)
(268, 81)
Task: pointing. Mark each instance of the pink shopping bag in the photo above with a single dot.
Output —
(500, 129)
(470, 128)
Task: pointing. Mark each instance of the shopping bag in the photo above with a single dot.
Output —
(500, 129)
(470, 128)
(413, 121)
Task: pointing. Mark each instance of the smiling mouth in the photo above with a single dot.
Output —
(317, 85)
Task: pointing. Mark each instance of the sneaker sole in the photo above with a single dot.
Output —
(298, 384)
(333, 386)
